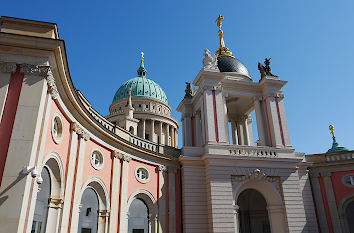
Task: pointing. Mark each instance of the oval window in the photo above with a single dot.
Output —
(57, 128)
(97, 159)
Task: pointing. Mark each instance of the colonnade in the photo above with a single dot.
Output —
(158, 132)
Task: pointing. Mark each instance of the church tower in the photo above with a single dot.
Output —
(246, 185)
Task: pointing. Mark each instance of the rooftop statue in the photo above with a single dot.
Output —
(189, 90)
(209, 62)
(265, 70)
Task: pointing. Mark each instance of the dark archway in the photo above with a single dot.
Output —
(41, 210)
(138, 221)
(88, 218)
(349, 212)
(253, 214)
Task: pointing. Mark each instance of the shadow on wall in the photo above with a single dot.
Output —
(18, 179)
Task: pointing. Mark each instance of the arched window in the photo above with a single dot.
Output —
(88, 218)
(138, 221)
(349, 212)
(253, 214)
(41, 210)
(131, 129)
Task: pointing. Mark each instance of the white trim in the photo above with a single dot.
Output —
(100, 182)
(59, 138)
(138, 178)
(102, 155)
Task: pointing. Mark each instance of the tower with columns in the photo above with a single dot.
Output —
(245, 185)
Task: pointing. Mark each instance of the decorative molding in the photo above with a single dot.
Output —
(80, 131)
(127, 158)
(162, 168)
(6, 67)
(34, 69)
(103, 213)
(56, 203)
(257, 175)
(117, 154)
(53, 90)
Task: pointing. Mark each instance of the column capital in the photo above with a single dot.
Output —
(103, 213)
(80, 131)
(55, 203)
(126, 158)
(236, 209)
(118, 155)
(162, 168)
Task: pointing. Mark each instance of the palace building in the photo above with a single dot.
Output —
(66, 168)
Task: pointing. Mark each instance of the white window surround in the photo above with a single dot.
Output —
(142, 174)
(97, 159)
(57, 128)
(348, 180)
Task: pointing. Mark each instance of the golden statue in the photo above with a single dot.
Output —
(142, 56)
(331, 128)
(219, 22)
(222, 50)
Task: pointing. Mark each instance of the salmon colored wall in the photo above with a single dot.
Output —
(134, 184)
(340, 190)
(89, 171)
(63, 148)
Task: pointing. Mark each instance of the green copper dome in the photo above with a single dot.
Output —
(141, 87)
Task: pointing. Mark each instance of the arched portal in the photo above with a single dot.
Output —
(40, 217)
(349, 212)
(138, 221)
(88, 218)
(253, 214)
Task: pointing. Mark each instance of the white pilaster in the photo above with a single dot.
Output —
(113, 227)
(162, 206)
(124, 192)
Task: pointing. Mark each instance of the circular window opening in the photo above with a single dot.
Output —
(142, 174)
(57, 128)
(97, 159)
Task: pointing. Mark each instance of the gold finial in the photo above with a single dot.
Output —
(142, 56)
(219, 21)
(331, 128)
(222, 50)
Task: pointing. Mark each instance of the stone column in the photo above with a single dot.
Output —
(54, 212)
(260, 122)
(160, 132)
(332, 205)
(245, 131)
(321, 212)
(176, 137)
(152, 138)
(198, 129)
(240, 133)
(103, 216)
(161, 199)
(172, 136)
(234, 133)
(143, 128)
(167, 134)
(123, 227)
(116, 156)
(172, 199)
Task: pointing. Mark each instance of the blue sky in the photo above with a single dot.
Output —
(310, 43)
